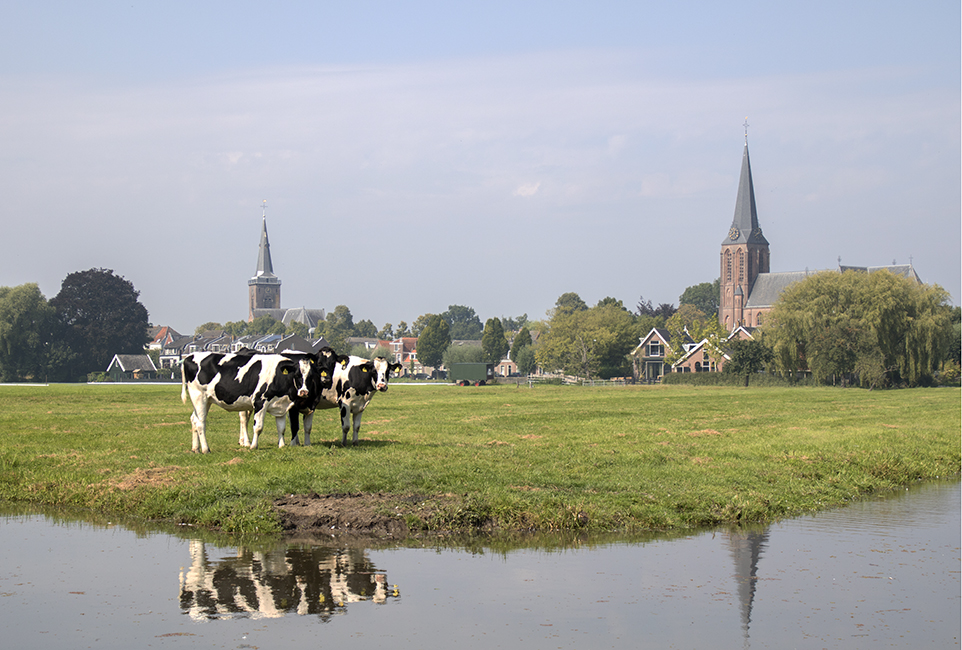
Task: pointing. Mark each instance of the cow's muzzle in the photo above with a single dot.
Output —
(382, 386)
(303, 392)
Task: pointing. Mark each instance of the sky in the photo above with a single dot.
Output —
(495, 154)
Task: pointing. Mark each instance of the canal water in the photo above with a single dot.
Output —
(884, 572)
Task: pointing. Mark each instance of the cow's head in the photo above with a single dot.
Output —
(300, 371)
(382, 372)
(327, 361)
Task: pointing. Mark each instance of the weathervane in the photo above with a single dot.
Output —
(746, 130)
(264, 214)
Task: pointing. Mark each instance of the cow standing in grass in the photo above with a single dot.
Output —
(247, 383)
(356, 381)
(322, 379)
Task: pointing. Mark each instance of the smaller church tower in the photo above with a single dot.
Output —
(744, 251)
(264, 289)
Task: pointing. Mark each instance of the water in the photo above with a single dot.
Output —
(880, 573)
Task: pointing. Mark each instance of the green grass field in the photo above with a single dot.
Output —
(549, 457)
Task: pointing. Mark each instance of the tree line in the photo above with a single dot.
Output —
(875, 329)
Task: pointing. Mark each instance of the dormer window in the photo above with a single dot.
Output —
(656, 349)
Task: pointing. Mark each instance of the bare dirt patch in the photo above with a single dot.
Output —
(361, 515)
(148, 477)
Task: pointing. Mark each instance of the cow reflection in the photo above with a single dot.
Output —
(289, 580)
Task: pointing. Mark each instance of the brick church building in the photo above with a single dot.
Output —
(749, 289)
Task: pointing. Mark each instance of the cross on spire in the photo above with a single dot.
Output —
(264, 213)
(746, 130)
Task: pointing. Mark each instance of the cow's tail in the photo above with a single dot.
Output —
(183, 384)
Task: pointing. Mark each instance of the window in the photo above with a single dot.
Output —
(655, 349)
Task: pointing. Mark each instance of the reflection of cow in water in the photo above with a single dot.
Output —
(295, 579)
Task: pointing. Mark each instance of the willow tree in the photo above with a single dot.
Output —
(869, 325)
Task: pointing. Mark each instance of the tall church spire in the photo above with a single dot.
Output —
(744, 252)
(744, 228)
(264, 289)
(264, 265)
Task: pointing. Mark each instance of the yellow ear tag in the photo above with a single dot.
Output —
(284, 371)
(365, 369)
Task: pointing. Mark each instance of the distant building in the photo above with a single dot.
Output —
(264, 290)
(131, 367)
(749, 290)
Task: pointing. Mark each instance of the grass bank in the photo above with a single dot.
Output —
(549, 457)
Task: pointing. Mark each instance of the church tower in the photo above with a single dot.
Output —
(264, 289)
(744, 251)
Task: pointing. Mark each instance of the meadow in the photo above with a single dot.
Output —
(511, 458)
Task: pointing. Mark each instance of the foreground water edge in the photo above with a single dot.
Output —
(881, 571)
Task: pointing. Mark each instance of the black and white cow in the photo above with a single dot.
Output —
(322, 379)
(356, 381)
(246, 383)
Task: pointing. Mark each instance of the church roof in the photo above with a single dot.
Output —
(903, 270)
(744, 228)
(769, 286)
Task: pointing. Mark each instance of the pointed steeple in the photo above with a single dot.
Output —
(744, 228)
(265, 268)
(264, 289)
(744, 253)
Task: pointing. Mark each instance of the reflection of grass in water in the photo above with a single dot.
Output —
(550, 458)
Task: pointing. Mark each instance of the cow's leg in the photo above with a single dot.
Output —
(357, 425)
(198, 420)
(194, 434)
(281, 426)
(308, 421)
(295, 427)
(258, 426)
(345, 424)
(242, 440)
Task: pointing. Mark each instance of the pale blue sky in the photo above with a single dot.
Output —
(496, 155)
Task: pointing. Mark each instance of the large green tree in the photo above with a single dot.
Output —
(433, 341)
(463, 323)
(493, 342)
(587, 342)
(873, 325)
(338, 327)
(747, 358)
(705, 296)
(521, 339)
(26, 321)
(98, 315)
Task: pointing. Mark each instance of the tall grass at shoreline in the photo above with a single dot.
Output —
(549, 457)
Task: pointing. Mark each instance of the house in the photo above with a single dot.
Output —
(161, 336)
(506, 367)
(173, 351)
(405, 351)
(131, 367)
(698, 359)
(650, 354)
